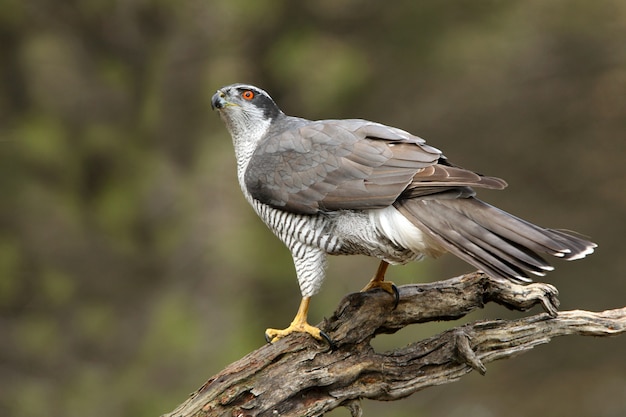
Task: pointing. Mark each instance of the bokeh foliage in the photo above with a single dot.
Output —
(130, 267)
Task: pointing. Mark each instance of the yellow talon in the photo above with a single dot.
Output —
(379, 282)
(298, 325)
(387, 286)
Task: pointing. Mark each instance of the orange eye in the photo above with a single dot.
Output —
(248, 95)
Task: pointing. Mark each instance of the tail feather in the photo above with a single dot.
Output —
(510, 227)
(498, 243)
(580, 246)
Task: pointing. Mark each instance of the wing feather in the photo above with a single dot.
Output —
(350, 165)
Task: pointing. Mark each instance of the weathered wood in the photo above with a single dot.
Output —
(298, 376)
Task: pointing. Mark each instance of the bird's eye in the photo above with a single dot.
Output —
(247, 95)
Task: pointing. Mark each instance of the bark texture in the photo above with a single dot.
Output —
(298, 376)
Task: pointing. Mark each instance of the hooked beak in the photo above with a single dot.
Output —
(218, 101)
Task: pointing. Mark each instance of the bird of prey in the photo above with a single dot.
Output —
(348, 187)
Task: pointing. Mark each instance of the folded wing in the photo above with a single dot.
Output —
(351, 165)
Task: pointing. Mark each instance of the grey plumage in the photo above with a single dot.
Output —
(349, 165)
(359, 187)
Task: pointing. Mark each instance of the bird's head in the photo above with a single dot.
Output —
(244, 108)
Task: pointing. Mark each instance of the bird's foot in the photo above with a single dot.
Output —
(386, 286)
(273, 335)
(379, 282)
(299, 325)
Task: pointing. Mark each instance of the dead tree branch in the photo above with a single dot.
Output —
(298, 376)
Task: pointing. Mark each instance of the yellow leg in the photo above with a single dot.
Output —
(299, 324)
(379, 280)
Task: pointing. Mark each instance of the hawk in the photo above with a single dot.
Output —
(348, 187)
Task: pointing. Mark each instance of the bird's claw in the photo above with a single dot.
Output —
(386, 286)
(273, 335)
(396, 295)
(329, 341)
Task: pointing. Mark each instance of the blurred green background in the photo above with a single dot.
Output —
(131, 268)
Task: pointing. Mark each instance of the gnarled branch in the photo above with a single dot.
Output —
(298, 376)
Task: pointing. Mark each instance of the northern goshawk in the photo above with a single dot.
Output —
(347, 187)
